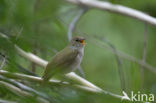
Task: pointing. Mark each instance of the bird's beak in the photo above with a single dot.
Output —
(82, 42)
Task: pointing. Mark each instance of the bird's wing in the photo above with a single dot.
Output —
(61, 60)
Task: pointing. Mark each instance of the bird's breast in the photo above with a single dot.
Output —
(75, 63)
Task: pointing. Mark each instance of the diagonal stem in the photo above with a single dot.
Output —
(144, 54)
(71, 29)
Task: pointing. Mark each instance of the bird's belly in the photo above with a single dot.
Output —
(73, 65)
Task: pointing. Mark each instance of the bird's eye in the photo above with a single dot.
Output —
(76, 40)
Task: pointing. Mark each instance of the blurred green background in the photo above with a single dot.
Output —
(40, 27)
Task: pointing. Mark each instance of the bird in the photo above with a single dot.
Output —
(67, 60)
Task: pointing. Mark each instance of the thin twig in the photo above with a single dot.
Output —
(3, 63)
(144, 53)
(119, 9)
(36, 31)
(71, 29)
(33, 65)
(19, 33)
(72, 25)
(122, 54)
(119, 62)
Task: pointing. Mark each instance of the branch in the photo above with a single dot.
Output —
(122, 10)
(31, 57)
(20, 92)
(89, 87)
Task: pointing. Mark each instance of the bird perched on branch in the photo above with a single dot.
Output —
(67, 60)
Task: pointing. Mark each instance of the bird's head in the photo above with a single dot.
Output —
(78, 41)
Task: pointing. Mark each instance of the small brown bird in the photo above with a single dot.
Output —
(67, 60)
